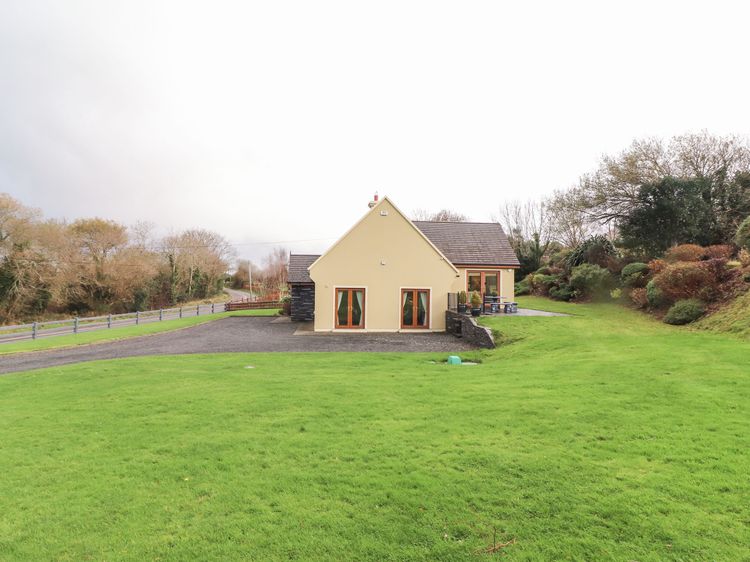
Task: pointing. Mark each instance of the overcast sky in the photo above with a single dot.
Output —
(276, 121)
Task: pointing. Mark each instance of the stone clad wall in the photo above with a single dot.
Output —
(303, 302)
(465, 326)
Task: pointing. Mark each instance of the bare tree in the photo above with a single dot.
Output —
(525, 220)
(16, 221)
(443, 215)
(527, 225)
(569, 225)
(611, 192)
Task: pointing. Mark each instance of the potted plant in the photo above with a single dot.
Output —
(462, 302)
(476, 304)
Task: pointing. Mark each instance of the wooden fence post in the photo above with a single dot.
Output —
(198, 310)
(33, 331)
(109, 321)
(75, 325)
(137, 317)
(161, 315)
(180, 312)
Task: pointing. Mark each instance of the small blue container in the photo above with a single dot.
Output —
(454, 360)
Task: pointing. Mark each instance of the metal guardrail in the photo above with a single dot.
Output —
(77, 325)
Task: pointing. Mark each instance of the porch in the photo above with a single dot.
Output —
(490, 305)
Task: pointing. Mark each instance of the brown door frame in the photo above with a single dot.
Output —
(349, 308)
(482, 274)
(414, 309)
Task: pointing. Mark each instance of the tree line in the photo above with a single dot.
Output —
(98, 266)
(690, 189)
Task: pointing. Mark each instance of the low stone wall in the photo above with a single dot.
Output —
(303, 302)
(466, 327)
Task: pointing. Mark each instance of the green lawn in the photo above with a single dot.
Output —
(123, 332)
(600, 436)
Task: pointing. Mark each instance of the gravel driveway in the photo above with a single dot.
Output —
(237, 334)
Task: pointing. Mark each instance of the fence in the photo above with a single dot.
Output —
(251, 305)
(77, 325)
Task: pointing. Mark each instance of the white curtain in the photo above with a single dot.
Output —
(341, 296)
(360, 295)
(423, 303)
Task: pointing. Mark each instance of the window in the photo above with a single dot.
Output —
(483, 282)
(415, 308)
(350, 308)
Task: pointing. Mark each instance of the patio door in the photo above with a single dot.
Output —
(415, 308)
(483, 282)
(350, 308)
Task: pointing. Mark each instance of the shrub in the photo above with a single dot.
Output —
(562, 292)
(597, 250)
(634, 274)
(639, 298)
(686, 280)
(744, 256)
(591, 280)
(685, 252)
(656, 266)
(654, 296)
(742, 238)
(616, 294)
(719, 251)
(286, 305)
(717, 268)
(684, 312)
(523, 287)
(476, 300)
(541, 284)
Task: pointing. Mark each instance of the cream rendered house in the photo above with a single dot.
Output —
(389, 274)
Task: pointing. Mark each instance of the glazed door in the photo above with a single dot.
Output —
(415, 308)
(350, 308)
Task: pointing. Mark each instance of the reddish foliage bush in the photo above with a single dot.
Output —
(718, 269)
(719, 251)
(656, 266)
(638, 297)
(685, 252)
(687, 280)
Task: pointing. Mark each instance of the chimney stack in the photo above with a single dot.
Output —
(374, 201)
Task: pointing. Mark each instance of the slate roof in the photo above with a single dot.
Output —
(298, 264)
(470, 243)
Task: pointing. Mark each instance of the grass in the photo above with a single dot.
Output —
(600, 436)
(733, 318)
(123, 332)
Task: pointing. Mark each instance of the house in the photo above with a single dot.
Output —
(388, 273)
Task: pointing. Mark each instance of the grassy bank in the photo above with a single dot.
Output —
(600, 436)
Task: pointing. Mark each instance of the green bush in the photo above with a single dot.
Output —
(684, 312)
(597, 250)
(742, 238)
(634, 274)
(589, 280)
(654, 296)
(523, 287)
(541, 284)
(562, 292)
